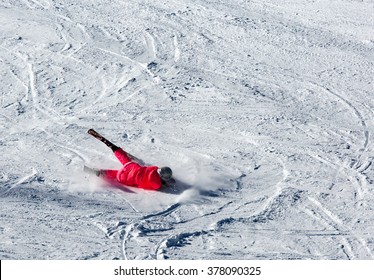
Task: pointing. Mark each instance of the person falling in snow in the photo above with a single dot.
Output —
(132, 174)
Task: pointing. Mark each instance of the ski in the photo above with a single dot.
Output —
(101, 138)
(90, 170)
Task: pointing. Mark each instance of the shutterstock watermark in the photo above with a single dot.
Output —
(169, 271)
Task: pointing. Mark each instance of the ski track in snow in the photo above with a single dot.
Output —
(263, 109)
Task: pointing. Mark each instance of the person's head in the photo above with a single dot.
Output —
(165, 173)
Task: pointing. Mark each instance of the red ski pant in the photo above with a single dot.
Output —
(111, 175)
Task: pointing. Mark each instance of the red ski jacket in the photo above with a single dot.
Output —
(134, 175)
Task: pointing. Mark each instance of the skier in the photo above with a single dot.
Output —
(132, 174)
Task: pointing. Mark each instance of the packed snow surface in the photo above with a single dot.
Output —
(264, 110)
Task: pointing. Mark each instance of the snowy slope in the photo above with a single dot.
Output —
(264, 109)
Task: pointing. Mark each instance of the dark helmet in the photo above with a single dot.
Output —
(165, 173)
